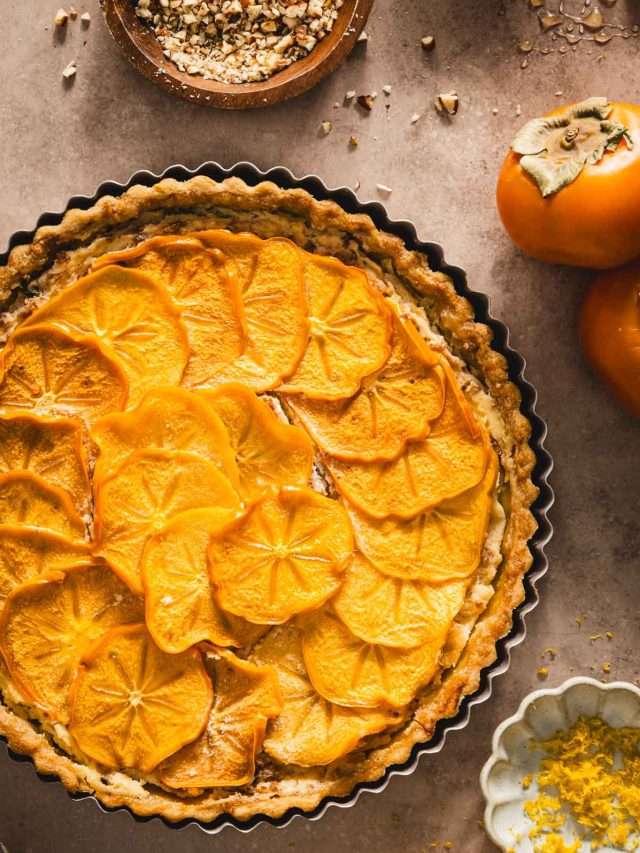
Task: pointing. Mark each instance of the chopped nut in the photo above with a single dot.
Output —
(86, 18)
(543, 673)
(366, 102)
(428, 42)
(70, 70)
(73, 13)
(387, 89)
(350, 95)
(606, 667)
(326, 127)
(353, 141)
(609, 635)
(415, 118)
(383, 189)
(61, 18)
(363, 36)
(237, 41)
(447, 103)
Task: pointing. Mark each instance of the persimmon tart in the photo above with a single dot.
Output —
(265, 494)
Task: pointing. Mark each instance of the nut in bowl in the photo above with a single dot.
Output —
(561, 776)
(311, 63)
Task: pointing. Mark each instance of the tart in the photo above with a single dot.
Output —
(265, 500)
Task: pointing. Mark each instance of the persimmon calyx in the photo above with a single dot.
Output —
(555, 149)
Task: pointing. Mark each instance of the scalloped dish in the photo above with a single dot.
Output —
(562, 776)
(265, 500)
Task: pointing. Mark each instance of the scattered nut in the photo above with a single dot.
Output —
(543, 673)
(350, 95)
(363, 36)
(383, 189)
(387, 89)
(415, 118)
(353, 141)
(447, 103)
(428, 42)
(73, 13)
(61, 18)
(366, 102)
(86, 18)
(326, 127)
(70, 70)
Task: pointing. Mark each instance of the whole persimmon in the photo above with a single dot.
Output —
(610, 330)
(569, 189)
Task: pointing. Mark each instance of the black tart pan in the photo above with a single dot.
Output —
(406, 231)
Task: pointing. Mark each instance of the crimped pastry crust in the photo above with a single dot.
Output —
(60, 254)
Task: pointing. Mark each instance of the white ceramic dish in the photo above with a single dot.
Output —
(540, 715)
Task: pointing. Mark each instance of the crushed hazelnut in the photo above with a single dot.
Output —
(366, 102)
(415, 118)
(61, 18)
(383, 189)
(363, 37)
(447, 103)
(86, 18)
(353, 141)
(73, 13)
(428, 42)
(70, 70)
(326, 127)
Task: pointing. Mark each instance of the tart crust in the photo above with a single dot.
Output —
(61, 253)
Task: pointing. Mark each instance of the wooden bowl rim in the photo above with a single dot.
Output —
(145, 54)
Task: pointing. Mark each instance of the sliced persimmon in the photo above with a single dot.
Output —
(133, 318)
(148, 489)
(246, 697)
(441, 544)
(51, 448)
(166, 419)
(27, 553)
(51, 373)
(310, 731)
(180, 609)
(351, 672)
(283, 556)
(48, 623)
(269, 275)
(133, 705)
(209, 298)
(350, 331)
(450, 460)
(268, 452)
(392, 612)
(29, 501)
(392, 406)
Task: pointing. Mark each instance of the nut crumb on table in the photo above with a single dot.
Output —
(238, 41)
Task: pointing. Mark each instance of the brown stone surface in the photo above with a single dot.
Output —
(57, 140)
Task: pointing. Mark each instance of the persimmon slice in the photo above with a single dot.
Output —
(132, 317)
(441, 544)
(246, 698)
(351, 672)
(166, 419)
(284, 556)
(49, 622)
(392, 406)
(133, 705)
(269, 275)
(50, 448)
(150, 488)
(450, 460)
(349, 335)
(393, 612)
(310, 731)
(46, 370)
(26, 553)
(268, 453)
(180, 610)
(209, 298)
(27, 500)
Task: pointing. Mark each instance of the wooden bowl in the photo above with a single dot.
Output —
(145, 53)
